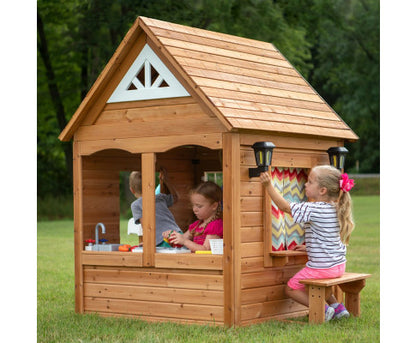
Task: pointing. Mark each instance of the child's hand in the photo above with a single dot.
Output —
(300, 247)
(265, 178)
(165, 234)
(176, 238)
(163, 175)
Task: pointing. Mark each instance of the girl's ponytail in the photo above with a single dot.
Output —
(338, 187)
(344, 212)
(344, 208)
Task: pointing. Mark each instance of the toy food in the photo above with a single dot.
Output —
(124, 248)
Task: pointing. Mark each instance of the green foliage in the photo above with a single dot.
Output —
(57, 321)
(333, 43)
(348, 72)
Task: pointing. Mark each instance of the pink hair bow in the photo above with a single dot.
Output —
(346, 184)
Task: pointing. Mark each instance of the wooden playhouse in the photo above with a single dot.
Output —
(194, 101)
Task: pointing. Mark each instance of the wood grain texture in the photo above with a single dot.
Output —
(245, 84)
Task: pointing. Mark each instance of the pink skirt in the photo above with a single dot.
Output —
(311, 273)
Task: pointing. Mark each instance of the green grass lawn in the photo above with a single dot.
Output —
(57, 321)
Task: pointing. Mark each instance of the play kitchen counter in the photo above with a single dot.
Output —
(132, 259)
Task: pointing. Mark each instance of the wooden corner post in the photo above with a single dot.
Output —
(78, 230)
(149, 218)
(267, 228)
(232, 236)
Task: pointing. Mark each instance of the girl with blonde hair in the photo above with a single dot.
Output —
(328, 225)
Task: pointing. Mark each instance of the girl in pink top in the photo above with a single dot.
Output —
(206, 204)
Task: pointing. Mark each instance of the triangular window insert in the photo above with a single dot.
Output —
(147, 78)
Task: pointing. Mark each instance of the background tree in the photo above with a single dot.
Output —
(333, 43)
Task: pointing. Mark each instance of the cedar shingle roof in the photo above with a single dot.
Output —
(247, 84)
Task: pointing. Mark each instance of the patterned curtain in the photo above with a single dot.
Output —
(290, 182)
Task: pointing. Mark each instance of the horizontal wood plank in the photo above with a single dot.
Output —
(284, 158)
(151, 144)
(152, 319)
(284, 75)
(132, 276)
(262, 279)
(262, 294)
(148, 103)
(188, 30)
(277, 317)
(288, 253)
(251, 204)
(254, 65)
(252, 249)
(158, 309)
(164, 128)
(283, 118)
(189, 261)
(168, 42)
(269, 308)
(262, 89)
(231, 81)
(251, 234)
(154, 294)
(264, 49)
(248, 188)
(236, 94)
(345, 278)
(251, 219)
(292, 128)
(273, 109)
(289, 142)
(114, 258)
(252, 264)
(151, 114)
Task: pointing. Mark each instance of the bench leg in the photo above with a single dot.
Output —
(338, 294)
(317, 296)
(352, 296)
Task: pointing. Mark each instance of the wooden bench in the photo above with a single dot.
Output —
(319, 289)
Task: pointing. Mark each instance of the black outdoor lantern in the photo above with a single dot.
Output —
(263, 152)
(337, 157)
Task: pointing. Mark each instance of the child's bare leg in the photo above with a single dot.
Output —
(301, 296)
(331, 300)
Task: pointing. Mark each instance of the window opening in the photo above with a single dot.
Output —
(214, 176)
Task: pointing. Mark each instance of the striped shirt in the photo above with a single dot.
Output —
(322, 239)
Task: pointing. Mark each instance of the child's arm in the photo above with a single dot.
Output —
(277, 198)
(164, 180)
(186, 240)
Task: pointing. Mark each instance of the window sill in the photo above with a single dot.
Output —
(288, 257)
(287, 253)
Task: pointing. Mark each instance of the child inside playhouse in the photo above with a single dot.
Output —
(206, 204)
(164, 217)
(328, 226)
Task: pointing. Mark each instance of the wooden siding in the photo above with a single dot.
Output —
(162, 294)
(101, 204)
(250, 83)
(149, 118)
(263, 277)
(131, 127)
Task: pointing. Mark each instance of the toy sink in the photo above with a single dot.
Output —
(105, 247)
